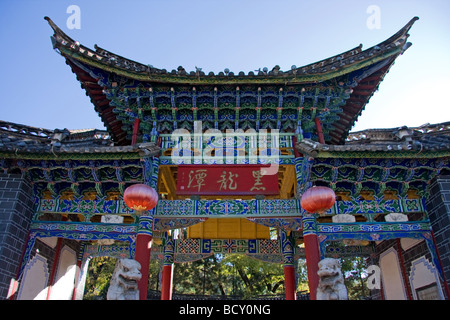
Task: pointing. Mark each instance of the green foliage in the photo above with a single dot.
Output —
(354, 271)
(200, 277)
(236, 275)
(154, 275)
(99, 275)
(302, 276)
(257, 277)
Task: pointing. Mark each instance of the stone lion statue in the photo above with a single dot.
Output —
(331, 281)
(124, 281)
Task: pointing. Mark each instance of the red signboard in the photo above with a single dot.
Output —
(225, 180)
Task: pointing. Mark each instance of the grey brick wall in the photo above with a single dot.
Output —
(438, 208)
(16, 212)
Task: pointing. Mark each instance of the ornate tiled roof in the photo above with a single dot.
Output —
(318, 71)
(19, 138)
(334, 90)
(425, 138)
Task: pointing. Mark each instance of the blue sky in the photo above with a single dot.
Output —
(38, 89)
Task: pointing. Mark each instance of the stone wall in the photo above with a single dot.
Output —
(438, 208)
(16, 212)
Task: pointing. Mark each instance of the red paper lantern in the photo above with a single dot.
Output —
(140, 197)
(318, 199)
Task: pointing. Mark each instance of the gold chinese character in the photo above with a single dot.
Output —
(199, 177)
(228, 182)
(258, 176)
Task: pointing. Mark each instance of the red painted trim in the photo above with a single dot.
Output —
(297, 154)
(142, 255)
(382, 291)
(319, 130)
(289, 283)
(13, 292)
(14, 285)
(166, 282)
(54, 267)
(158, 141)
(402, 267)
(447, 290)
(77, 278)
(135, 131)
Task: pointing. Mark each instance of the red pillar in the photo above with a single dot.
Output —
(145, 229)
(142, 255)
(319, 130)
(166, 282)
(289, 282)
(135, 131)
(143, 251)
(312, 254)
(167, 273)
(294, 143)
(288, 265)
